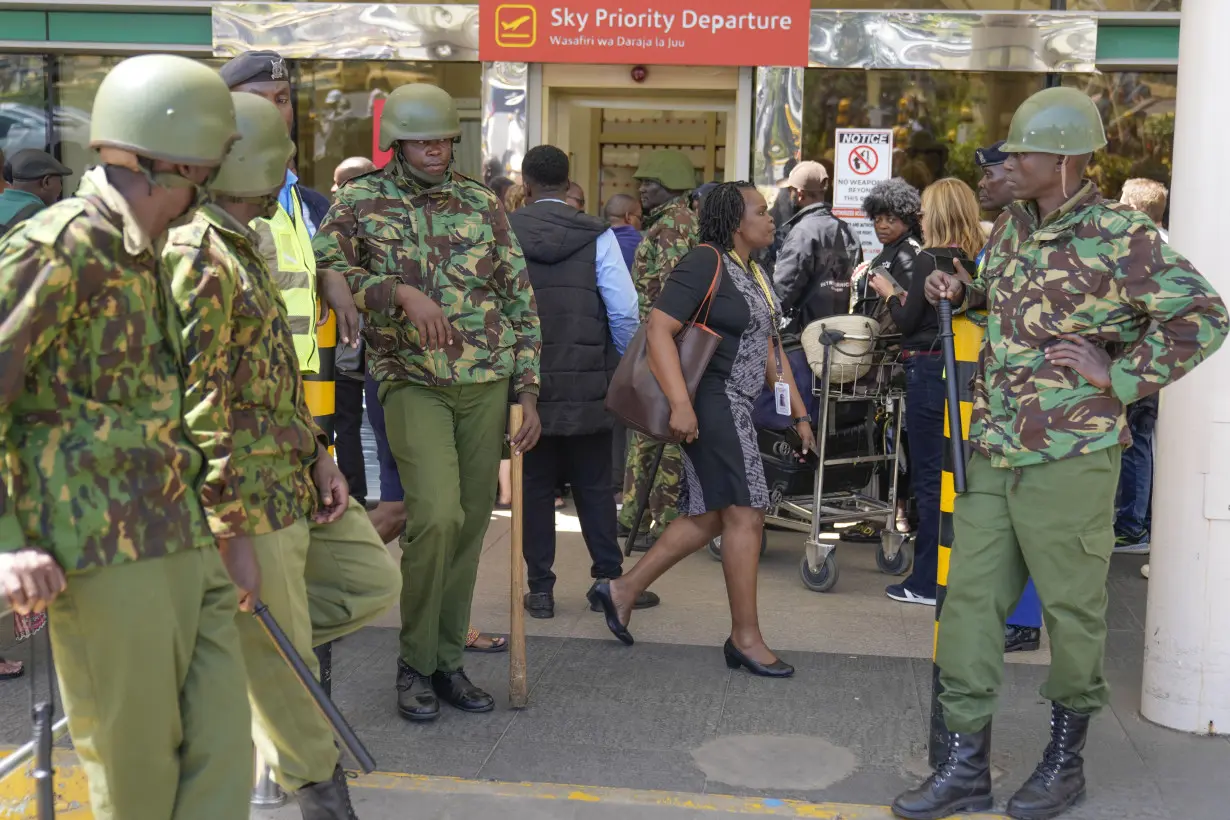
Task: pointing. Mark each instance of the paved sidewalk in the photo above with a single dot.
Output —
(663, 731)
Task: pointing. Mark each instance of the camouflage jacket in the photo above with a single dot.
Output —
(244, 400)
(1099, 270)
(671, 230)
(453, 243)
(98, 465)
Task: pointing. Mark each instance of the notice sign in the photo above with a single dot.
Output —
(863, 157)
(669, 32)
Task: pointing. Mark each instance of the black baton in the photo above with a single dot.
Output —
(956, 440)
(44, 789)
(327, 707)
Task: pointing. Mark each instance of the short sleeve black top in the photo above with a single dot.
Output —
(728, 316)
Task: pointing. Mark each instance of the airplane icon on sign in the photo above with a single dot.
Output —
(516, 25)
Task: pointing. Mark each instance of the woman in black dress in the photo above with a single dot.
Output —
(724, 490)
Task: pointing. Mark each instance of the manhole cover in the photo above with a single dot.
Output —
(795, 762)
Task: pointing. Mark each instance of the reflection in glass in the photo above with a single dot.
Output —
(779, 122)
(79, 78)
(335, 103)
(23, 116)
(938, 118)
(1138, 112)
(505, 104)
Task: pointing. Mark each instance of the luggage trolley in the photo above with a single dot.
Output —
(852, 363)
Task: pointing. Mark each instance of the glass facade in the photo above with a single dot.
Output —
(335, 109)
(23, 116)
(939, 118)
(1000, 5)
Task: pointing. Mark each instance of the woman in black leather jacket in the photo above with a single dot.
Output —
(896, 208)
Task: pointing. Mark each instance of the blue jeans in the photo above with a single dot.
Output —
(924, 418)
(1134, 501)
(390, 481)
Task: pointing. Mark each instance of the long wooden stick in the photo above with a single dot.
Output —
(518, 690)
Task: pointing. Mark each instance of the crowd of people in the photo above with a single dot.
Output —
(159, 334)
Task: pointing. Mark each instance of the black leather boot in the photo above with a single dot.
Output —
(328, 800)
(1058, 783)
(961, 783)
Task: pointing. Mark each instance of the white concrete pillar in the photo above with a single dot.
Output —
(1186, 682)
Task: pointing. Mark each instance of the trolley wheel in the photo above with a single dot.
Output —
(899, 564)
(822, 579)
(715, 546)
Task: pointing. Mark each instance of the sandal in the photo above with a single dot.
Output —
(498, 642)
(21, 669)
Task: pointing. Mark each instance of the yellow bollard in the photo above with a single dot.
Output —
(968, 341)
(319, 387)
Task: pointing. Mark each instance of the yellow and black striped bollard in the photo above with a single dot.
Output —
(968, 341)
(319, 387)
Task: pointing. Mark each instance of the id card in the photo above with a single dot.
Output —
(781, 398)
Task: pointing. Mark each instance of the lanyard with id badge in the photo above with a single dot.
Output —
(781, 389)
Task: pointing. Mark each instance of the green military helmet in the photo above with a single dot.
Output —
(256, 164)
(670, 167)
(165, 107)
(418, 112)
(1060, 121)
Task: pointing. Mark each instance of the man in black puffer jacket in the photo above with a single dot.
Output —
(812, 274)
(588, 309)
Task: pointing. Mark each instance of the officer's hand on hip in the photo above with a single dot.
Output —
(531, 426)
(435, 332)
(1086, 358)
(31, 579)
(338, 296)
(239, 558)
(332, 487)
(942, 285)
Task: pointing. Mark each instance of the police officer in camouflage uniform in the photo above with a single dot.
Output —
(451, 326)
(1088, 310)
(671, 230)
(104, 525)
(270, 472)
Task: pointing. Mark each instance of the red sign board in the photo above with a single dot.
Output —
(666, 32)
(380, 158)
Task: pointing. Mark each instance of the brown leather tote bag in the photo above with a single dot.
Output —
(635, 398)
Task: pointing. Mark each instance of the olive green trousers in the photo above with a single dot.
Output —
(1053, 522)
(320, 582)
(447, 442)
(151, 678)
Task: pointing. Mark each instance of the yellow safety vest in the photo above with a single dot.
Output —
(296, 276)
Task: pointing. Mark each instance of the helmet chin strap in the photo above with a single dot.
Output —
(1063, 178)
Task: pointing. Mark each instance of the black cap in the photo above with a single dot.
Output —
(994, 155)
(255, 67)
(32, 163)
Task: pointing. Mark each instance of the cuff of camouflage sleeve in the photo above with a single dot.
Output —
(228, 519)
(1124, 382)
(532, 389)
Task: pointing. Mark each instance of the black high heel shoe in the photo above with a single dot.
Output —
(599, 596)
(735, 659)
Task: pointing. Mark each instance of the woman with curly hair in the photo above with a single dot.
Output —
(952, 237)
(724, 490)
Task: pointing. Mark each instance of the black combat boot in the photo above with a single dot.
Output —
(1058, 783)
(961, 783)
(328, 800)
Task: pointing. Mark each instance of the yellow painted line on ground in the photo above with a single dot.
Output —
(17, 796)
(72, 795)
